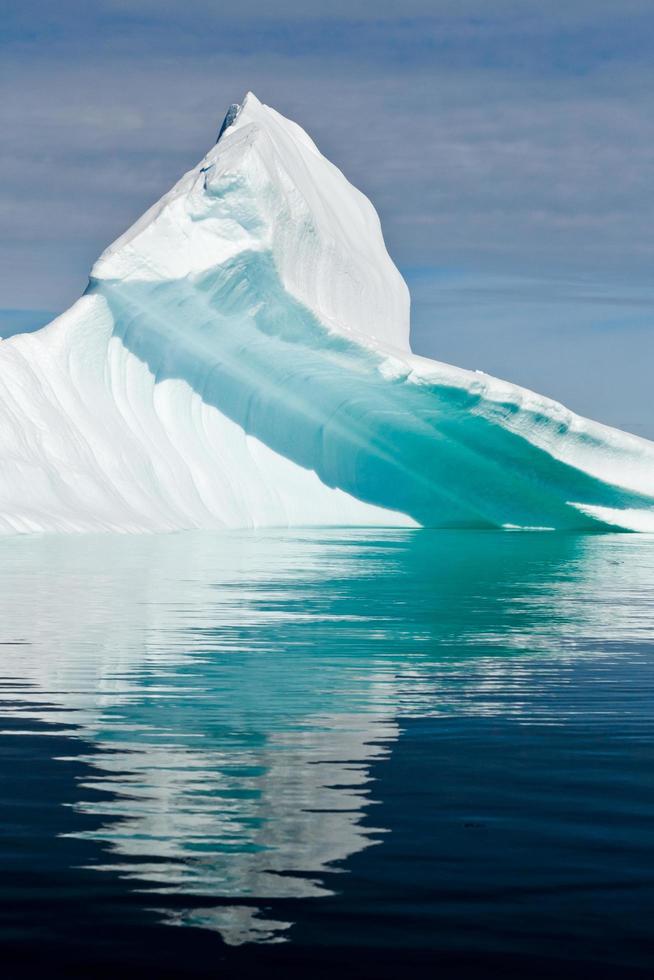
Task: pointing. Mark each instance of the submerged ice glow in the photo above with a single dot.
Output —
(241, 358)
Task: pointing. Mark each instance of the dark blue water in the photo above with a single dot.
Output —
(320, 753)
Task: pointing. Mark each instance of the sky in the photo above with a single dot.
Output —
(508, 146)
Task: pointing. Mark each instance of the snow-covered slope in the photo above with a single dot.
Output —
(241, 358)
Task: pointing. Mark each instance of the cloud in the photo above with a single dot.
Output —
(585, 344)
(512, 139)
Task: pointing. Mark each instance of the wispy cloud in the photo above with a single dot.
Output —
(511, 139)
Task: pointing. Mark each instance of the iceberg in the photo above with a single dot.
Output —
(241, 358)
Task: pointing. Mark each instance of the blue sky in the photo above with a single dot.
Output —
(508, 146)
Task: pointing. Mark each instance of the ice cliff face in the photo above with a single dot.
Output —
(241, 358)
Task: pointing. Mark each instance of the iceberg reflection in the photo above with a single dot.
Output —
(239, 687)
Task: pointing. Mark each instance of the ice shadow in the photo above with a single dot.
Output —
(436, 452)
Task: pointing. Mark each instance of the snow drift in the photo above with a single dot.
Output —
(241, 358)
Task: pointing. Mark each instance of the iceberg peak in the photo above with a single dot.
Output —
(264, 186)
(235, 108)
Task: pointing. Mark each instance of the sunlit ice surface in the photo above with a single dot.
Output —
(237, 705)
(241, 359)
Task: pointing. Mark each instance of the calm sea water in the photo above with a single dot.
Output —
(319, 753)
